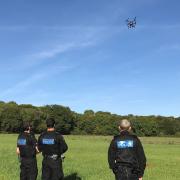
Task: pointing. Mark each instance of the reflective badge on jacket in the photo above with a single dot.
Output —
(125, 144)
(21, 142)
(48, 141)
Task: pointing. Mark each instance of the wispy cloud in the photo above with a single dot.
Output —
(169, 47)
(58, 28)
(35, 59)
(22, 86)
(50, 53)
(84, 37)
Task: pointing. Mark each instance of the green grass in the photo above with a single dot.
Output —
(87, 157)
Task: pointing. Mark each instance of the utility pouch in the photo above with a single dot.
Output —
(62, 157)
(53, 157)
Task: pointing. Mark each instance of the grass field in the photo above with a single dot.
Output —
(87, 158)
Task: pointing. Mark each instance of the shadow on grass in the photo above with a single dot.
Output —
(73, 176)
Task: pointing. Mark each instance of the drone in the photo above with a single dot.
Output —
(131, 23)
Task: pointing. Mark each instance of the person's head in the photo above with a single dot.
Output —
(124, 125)
(26, 126)
(50, 122)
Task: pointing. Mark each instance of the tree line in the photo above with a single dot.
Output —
(13, 115)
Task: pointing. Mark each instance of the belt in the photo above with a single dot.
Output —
(54, 156)
(135, 170)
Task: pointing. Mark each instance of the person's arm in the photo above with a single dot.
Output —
(39, 144)
(63, 145)
(17, 151)
(17, 147)
(35, 143)
(18, 154)
(111, 155)
(141, 159)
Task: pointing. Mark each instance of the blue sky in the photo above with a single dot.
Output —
(79, 53)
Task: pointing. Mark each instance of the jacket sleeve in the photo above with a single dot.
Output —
(40, 143)
(62, 144)
(112, 154)
(17, 140)
(141, 158)
(34, 140)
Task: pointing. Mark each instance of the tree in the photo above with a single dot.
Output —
(11, 120)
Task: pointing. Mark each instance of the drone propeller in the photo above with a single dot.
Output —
(131, 23)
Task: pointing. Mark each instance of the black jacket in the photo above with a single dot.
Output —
(126, 150)
(51, 142)
(27, 143)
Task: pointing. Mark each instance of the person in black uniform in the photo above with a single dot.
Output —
(52, 145)
(26, 151)
(126, 155)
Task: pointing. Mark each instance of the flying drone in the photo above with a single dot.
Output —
(131, 23)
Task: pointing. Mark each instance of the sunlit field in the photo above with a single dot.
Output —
(87, 158)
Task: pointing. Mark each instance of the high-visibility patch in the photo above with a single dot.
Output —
(48, 141)
(125, 144)
(21, 142)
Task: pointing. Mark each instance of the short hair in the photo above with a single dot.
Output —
(26, 126)
(124, 124)
(50, 122)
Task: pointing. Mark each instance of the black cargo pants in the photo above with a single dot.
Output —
(28, 169)
(52, 169)
(125, 173)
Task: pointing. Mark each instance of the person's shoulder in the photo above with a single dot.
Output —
(43, 133)
(20, 134)
(116, 137)
(58, 134)
(133, 136)
(32, 135)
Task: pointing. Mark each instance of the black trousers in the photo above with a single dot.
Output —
(125, 173)
(28, 169)
(52, 169)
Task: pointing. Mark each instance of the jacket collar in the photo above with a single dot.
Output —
(125, 132)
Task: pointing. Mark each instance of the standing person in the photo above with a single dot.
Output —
(126, 155)
(26, 151)
(52, 145)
